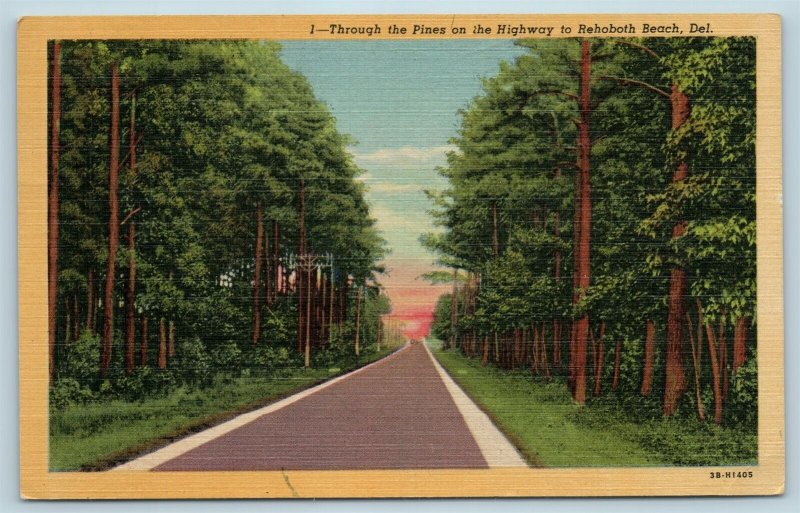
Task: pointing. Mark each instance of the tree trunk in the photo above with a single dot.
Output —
(162, 344)
(739, 343)
(257, 274)
(52, 206)
(584, 242)
(649, 351)
(113, 226)
(617, 349)
(143, 343)
(485, 351)
(675, 382)
(358, 320)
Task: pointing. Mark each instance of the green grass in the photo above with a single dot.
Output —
(101, 434)
(541, 419)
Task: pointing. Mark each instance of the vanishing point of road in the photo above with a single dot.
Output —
(401, 412)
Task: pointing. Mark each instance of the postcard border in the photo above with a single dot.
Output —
(36, 482)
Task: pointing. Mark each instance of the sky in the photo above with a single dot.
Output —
(399, 101)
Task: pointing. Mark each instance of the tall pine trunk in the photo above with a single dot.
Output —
(113, 226)
(649, 352)
(675, 382)
(739, 343)
(52, 206)
(584, 243)
(162, 344)
(257, 274)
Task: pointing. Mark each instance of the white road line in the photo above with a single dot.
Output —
(156, 458)
(495, 447)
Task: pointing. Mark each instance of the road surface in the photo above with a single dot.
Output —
(402, 412)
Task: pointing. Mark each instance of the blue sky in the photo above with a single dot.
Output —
(399, 100)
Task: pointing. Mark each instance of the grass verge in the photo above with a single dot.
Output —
(102, 434)
(541, 419)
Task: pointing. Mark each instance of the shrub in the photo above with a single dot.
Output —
(192, 364)
(143, 382)
(226, 358)
(80, 361)
(277, 331)
(67, 391)
(742, 407)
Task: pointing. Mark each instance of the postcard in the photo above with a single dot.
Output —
(400, 256)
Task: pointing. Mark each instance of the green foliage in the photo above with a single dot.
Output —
(80, 361)
(742, 407)
(219, 128)
(441, 317)
(68, 391)
(665, 197)
(193, 363)
(142, 383)
(226, 358)
(266, 359)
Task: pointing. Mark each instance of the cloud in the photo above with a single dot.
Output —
(390, 187)
(406, 155)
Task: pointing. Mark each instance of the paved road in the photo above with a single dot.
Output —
(394, 414)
